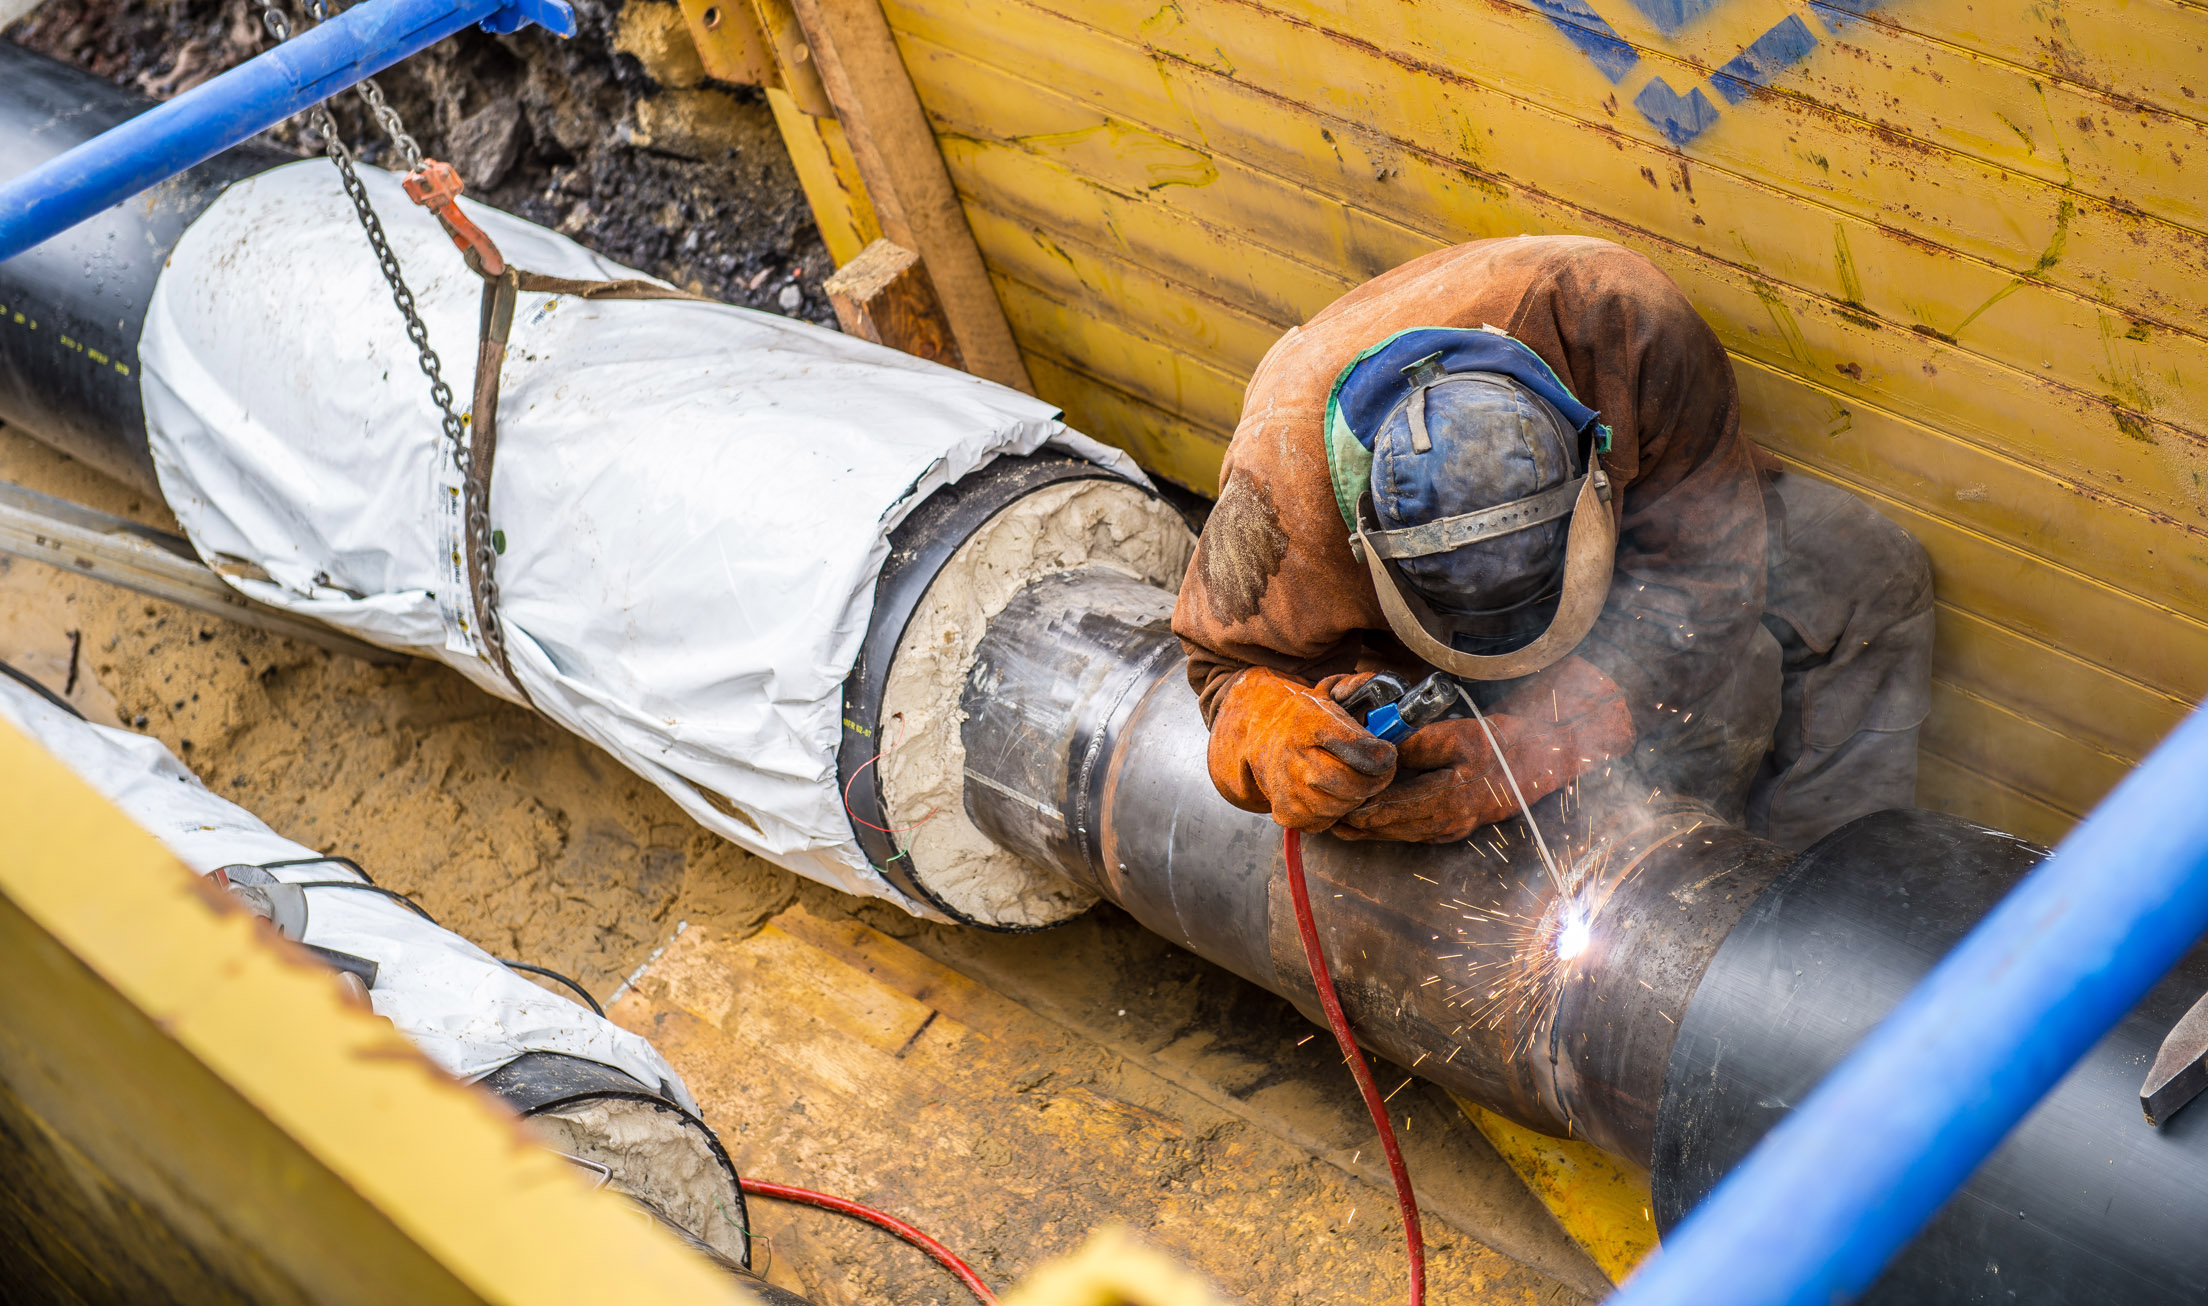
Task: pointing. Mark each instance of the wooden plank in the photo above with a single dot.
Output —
(1881, 77)
(2094, 704)
(1602, 1203)
(1515, 101)
(200, 1110)
(903, 172)
(1946, 786)
(1179, 382)
(829, 177)
(2099, 425)
(1164, 444)
(2146, 51)
(884, 295)
(2065, 773)
(906, 1082)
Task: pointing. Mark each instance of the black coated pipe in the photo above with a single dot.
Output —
(1085, 752)
(2085, 1203)
(1723, 975)
(72, 309)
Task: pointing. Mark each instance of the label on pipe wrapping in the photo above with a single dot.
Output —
(694, 499)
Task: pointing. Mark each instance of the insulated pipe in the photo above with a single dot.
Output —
(1722, 977)
(237, 105)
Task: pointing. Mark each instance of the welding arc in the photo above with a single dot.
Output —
(1414, 1239)
(1548, 861)
(942, 1255)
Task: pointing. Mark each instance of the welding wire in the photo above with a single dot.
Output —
(1547, 861)
(942, 1255)
(1414, 1239)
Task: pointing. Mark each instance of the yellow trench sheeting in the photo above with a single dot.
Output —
(189, 1113)
(1959, 254)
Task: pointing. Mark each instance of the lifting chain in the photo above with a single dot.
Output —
(477, 505)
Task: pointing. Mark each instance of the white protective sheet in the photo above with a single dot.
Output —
(463, 1009)
(695, 499)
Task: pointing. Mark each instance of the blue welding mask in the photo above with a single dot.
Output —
(1469, 476)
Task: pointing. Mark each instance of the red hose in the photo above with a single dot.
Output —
(942, 1255)
(1414, 1241)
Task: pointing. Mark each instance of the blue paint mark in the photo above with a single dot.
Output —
(1840, 15)
(1594, 36)
(1771, 54)
(1671, 15)
(1680, 117)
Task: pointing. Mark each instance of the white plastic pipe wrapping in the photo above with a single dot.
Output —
(695, 499)
(454, 1001)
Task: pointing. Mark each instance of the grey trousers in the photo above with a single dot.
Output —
(1819, 724)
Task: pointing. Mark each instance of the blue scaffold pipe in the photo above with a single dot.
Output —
(1829, 1196)
(239, 104)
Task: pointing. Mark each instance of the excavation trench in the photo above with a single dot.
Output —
(1669, 1001)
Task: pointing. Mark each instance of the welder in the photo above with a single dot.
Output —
(1519, 462)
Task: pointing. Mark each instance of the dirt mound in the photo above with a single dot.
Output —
(688, 182)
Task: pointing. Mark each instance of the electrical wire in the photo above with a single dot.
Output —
(942, 1255)
(39, 688)
(550, 974)
(423, 912)
(860, 770)
(1414, 1239)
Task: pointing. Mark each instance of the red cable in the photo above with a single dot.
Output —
(1414, 1241)
(942, 1255)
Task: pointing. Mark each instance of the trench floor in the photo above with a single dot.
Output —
(1009, 1093)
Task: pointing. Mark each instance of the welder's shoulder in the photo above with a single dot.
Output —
(1596, 271)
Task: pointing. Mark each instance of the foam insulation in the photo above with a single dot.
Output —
(658, 1156)
(1058, 528)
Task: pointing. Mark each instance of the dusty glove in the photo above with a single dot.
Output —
(1286, 748)
(1553, 728)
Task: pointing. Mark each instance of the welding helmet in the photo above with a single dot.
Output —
(1469, 477)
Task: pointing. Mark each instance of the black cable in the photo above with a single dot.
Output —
(423, 912)
(393, 894)
(26, 680)
(553, 975)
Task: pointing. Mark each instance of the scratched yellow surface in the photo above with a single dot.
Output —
(1959, 254)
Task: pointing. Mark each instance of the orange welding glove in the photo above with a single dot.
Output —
(1284, 747)
(1552, 728)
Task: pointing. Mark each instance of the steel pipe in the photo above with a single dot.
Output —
(1722, 976)
(237, 105)
(1845, 1180)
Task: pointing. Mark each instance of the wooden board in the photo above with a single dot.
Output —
(189, 1111)
(1960, 256)
(1010, 1093)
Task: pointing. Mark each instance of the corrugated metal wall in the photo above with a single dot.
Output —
(1958, 253)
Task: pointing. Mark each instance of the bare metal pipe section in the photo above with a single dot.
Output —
(1719, 978)
(1085, 753)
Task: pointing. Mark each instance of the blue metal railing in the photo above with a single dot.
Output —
(1830, 1195)
(238, 104)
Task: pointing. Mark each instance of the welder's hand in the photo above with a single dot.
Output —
(1284, 747)
(1552, 729)
(1450, 786)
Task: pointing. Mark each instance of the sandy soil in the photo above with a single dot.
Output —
(511, 831)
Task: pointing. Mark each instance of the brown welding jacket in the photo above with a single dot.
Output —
(1273, 582)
